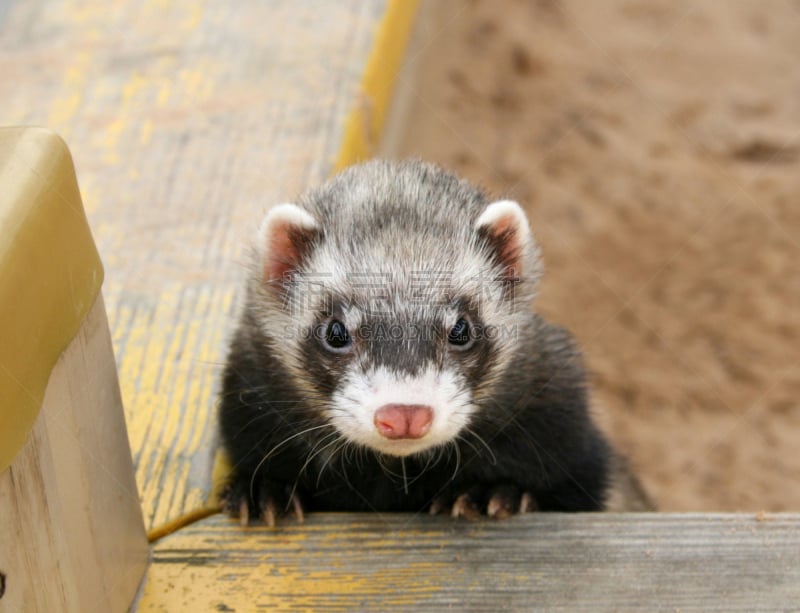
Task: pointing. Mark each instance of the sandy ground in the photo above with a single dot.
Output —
(656, 148)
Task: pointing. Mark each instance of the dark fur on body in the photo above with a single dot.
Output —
(530, 433)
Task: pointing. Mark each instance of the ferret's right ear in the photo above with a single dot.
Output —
(504, 226)
(285, 238)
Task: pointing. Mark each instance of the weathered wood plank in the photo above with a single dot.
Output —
(71, 532)
(622, 562)
(186, 120)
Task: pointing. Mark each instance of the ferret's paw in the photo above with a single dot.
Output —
(270, 500)
(497, 501)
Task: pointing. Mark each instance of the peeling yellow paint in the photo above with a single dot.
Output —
(110, 139)
(296, 567)
(160, 5)
(135, 85)
(146, 132)
(164, 93)
(63, 110)
(152, 374)
(194, 17)
(66, 104)
(192, 81)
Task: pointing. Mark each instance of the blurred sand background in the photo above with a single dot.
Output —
(656, 147)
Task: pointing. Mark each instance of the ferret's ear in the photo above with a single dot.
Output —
(285, 237)
(504, 226)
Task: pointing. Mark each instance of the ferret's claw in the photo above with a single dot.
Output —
(297, 507)
(244, 513)
(527, 503)
(465, 507)
(438, 506)
(269, 512)
(500, 507)
(505, 500)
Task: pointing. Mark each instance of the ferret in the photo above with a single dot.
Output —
(388, 359)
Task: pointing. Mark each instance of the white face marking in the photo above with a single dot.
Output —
(356, 401)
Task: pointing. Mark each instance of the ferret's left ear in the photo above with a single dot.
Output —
(285, 237)
(504, 226)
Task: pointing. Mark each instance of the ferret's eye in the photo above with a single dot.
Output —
(336, 336)
(461, 334)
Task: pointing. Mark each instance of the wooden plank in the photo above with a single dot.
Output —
(624, 562)
(186, 120)
(71, 534)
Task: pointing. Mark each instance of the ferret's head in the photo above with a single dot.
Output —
(395, 294)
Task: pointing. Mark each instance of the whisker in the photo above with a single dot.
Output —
(458, 460)
(275, 448)
(468, 442)
(485, 444)
(343, 443)
(311, 456)
(315, 451)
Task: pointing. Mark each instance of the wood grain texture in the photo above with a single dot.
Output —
(187, 120)
(605, 562)
(71, 534)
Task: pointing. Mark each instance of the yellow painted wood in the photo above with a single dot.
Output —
(71, 534)
(50, 273)
(365, 123)
(584, 562)
(187, 120)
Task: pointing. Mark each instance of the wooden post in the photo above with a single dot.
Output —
(71, 531)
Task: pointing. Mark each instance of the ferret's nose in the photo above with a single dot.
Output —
(403, 420)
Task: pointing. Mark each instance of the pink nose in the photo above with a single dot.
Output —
(403, 420)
